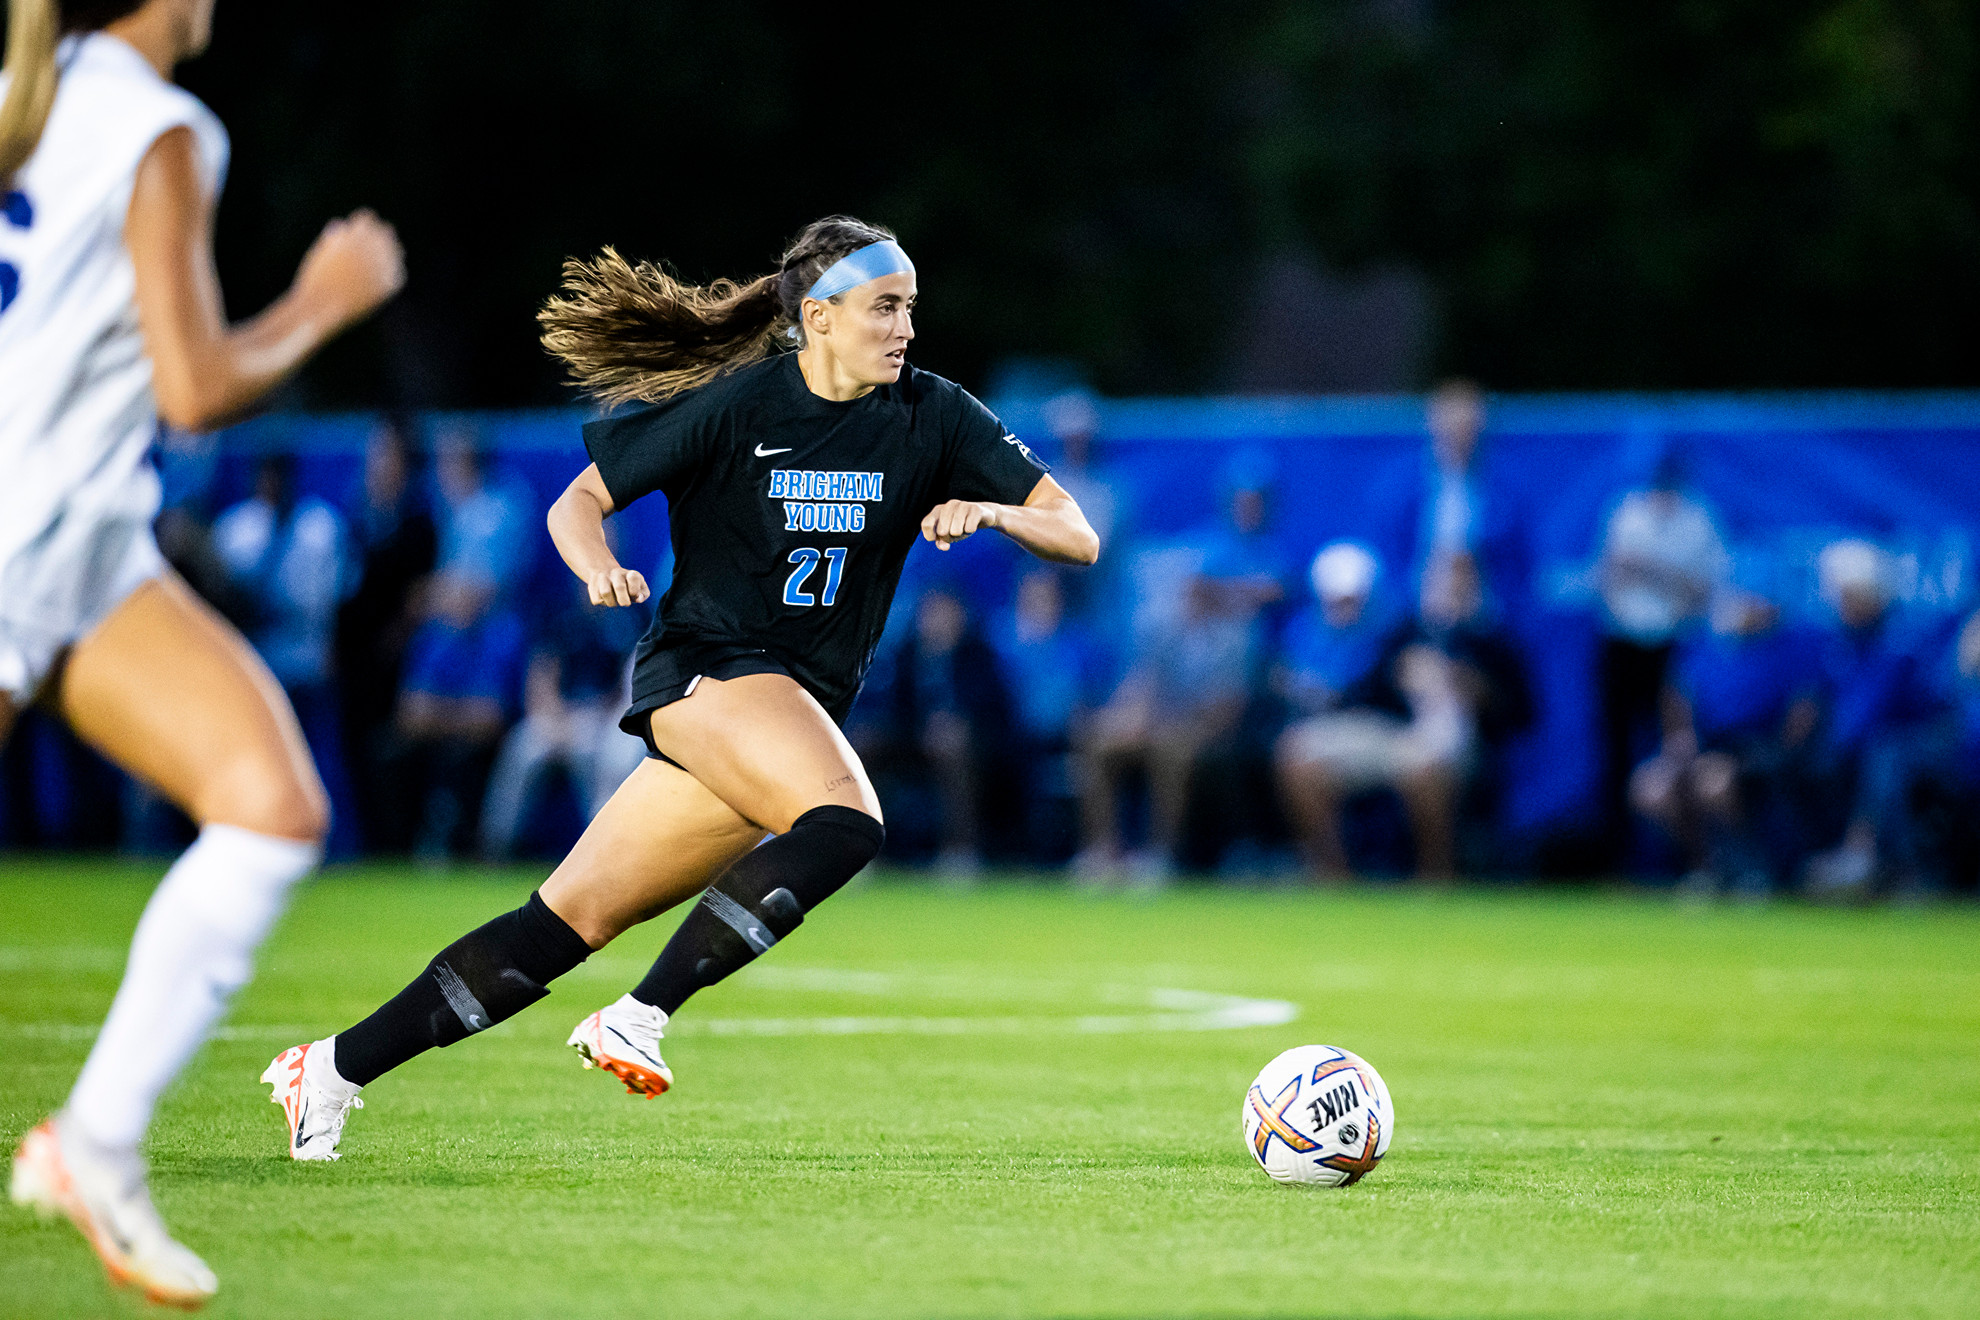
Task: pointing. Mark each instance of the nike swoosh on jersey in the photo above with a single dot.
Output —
(761, 452)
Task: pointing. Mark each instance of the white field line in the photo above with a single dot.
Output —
(62, 958)
(85, 1032)
(1181, 1010)
(1166, 1010)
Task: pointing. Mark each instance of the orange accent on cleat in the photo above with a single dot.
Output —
(38, 1165)
(285, 1074)
(593, 1052)
(638, 1080)
(41, 1181)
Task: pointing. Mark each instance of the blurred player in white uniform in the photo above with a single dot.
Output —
(110, 318)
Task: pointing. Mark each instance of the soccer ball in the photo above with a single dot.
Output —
(1318, 1115)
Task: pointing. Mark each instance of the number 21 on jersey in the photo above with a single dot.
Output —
(806, 560)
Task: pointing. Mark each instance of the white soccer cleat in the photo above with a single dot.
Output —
(624, 1039)
(314, 1099)
(105, 1197)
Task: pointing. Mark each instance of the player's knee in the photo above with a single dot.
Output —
(276, 800)
(297, 810)
(854, 837)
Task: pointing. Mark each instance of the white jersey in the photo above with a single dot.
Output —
(77, 414)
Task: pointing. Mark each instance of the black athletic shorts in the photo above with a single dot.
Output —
(665, 676)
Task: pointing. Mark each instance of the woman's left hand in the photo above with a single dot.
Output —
(956, 520)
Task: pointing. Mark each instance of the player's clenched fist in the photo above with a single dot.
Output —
(618, 586)
(355, 264)
(947, 523)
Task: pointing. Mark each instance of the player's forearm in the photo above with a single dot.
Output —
(1056, 530)
(221, 380)
(577, 529)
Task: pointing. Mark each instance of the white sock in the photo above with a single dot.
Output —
(627, 1004)
(320, 1066)
(194, 947)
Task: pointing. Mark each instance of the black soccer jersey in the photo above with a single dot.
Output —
(792, 515)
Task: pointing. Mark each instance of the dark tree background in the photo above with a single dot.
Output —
(1176, 197)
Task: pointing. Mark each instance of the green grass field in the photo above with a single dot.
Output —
(987, 1103)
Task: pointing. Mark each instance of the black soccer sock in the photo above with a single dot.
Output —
(761, 899)
(485, 977)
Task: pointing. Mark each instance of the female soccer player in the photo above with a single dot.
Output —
(796, 483)
(110, 317)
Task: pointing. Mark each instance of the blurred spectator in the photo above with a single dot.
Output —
(463, 677)
(1330, 674)
(1243, 563)
(1073, 418)
(1929, 850)
(187, 468)
(1406, 708)
(1738, 713)
(1661, 559)
(1052, 668)
(1187, 687)
(485, 527)
(944, 720)
(1332, 647)
(1094, 595)
(1452, 504)
(1197, 637)
(1877, 705)
(1920, 809)
(396, 546)
(574, 693)
(289, 557)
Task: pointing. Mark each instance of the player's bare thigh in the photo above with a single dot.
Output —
(755, 753)
(763, 745)
(166, 689)
(661, 839)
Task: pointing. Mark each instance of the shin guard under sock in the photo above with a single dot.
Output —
(761, 899)
(487, 976)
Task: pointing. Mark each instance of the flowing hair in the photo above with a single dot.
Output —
(631, 332)
(34, 27)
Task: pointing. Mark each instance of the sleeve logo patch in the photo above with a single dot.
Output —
(1022, 448)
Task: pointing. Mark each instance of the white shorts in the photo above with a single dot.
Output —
(55, 590)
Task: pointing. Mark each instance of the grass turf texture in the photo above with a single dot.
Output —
(1607, 1106)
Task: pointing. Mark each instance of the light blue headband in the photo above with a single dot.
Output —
(855, 268)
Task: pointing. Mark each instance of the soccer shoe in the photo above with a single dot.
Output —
(316, 1105)
(624, 1039)
(105, 1197)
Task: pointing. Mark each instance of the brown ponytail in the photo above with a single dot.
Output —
(636, 333)
(33, 27)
